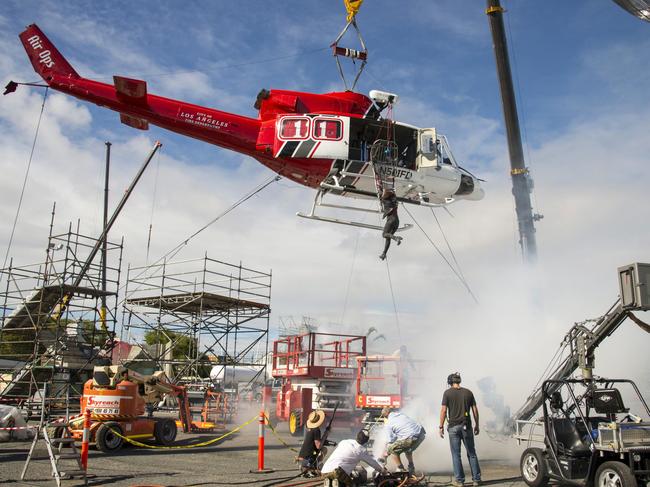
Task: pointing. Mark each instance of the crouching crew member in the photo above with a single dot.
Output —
(404, 435)
(312, 451)
(342, 463)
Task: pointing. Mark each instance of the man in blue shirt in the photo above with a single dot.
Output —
(404, 436)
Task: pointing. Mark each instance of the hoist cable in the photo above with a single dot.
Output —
(442, 255)
(22, 191)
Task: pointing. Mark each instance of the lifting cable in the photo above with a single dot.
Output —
(352, 7)
(451, 251)
(22, 191)
(175, 250)
(460, 278)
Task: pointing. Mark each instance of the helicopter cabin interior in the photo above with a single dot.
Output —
(349, 138)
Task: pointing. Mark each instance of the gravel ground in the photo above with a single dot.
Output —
(228, 462)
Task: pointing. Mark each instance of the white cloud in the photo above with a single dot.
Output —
(591, 184)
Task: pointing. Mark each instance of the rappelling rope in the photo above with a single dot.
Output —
(22, 191)
(460, 278)
(392, 294)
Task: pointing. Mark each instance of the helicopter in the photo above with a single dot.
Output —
(337, 143)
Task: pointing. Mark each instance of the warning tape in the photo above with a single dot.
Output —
(181, 447)
(268, 422)
(16, 428)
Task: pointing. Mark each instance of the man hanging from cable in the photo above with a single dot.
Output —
(389, 207)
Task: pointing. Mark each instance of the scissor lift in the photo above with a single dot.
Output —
(318, 371)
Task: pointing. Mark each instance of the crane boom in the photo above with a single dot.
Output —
(583, 338)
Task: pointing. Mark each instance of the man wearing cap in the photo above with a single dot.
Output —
(346, 456)
(311, 452)
(456, 405)
(404, 436)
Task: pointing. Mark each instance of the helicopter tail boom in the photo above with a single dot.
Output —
(46, 59)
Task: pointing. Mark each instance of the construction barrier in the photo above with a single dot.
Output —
(260, 446)
(84, 440)
(180, 447)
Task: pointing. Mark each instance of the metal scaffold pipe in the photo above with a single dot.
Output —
(518, 170)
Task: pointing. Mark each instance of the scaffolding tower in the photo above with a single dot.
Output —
(53, 331)
(196, 314)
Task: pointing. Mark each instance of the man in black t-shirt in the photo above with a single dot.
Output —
(311, 452)
(456, 405)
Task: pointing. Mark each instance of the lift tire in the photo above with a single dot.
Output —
(165, 431)
(533, 467)
(105, 440)
(615, 474)
(295, 423)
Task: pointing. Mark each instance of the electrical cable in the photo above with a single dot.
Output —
(464, 282)
(220, 68)
(22, 191)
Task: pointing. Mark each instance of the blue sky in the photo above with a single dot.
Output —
(582, 67)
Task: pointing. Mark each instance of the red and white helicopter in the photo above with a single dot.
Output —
(335, 142)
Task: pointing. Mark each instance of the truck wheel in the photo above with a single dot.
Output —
(165, 431)
(105, 440)
(533, 467)
(614, 474)
(295, 423)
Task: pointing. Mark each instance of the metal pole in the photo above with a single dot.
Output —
(116, 213)
(102, 316)
(521, 184)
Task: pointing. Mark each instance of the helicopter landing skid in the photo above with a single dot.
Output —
(318, 203)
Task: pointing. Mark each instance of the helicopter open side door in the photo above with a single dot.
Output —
(436, 164)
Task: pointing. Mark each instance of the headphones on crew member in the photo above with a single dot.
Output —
(453, 378)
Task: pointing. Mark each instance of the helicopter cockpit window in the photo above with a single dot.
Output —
(326, 129)
(294, 128)
(444, 156)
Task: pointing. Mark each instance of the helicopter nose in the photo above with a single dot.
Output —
(469, 188)
(478, 193)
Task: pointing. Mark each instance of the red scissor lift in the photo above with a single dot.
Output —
(318, 371)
